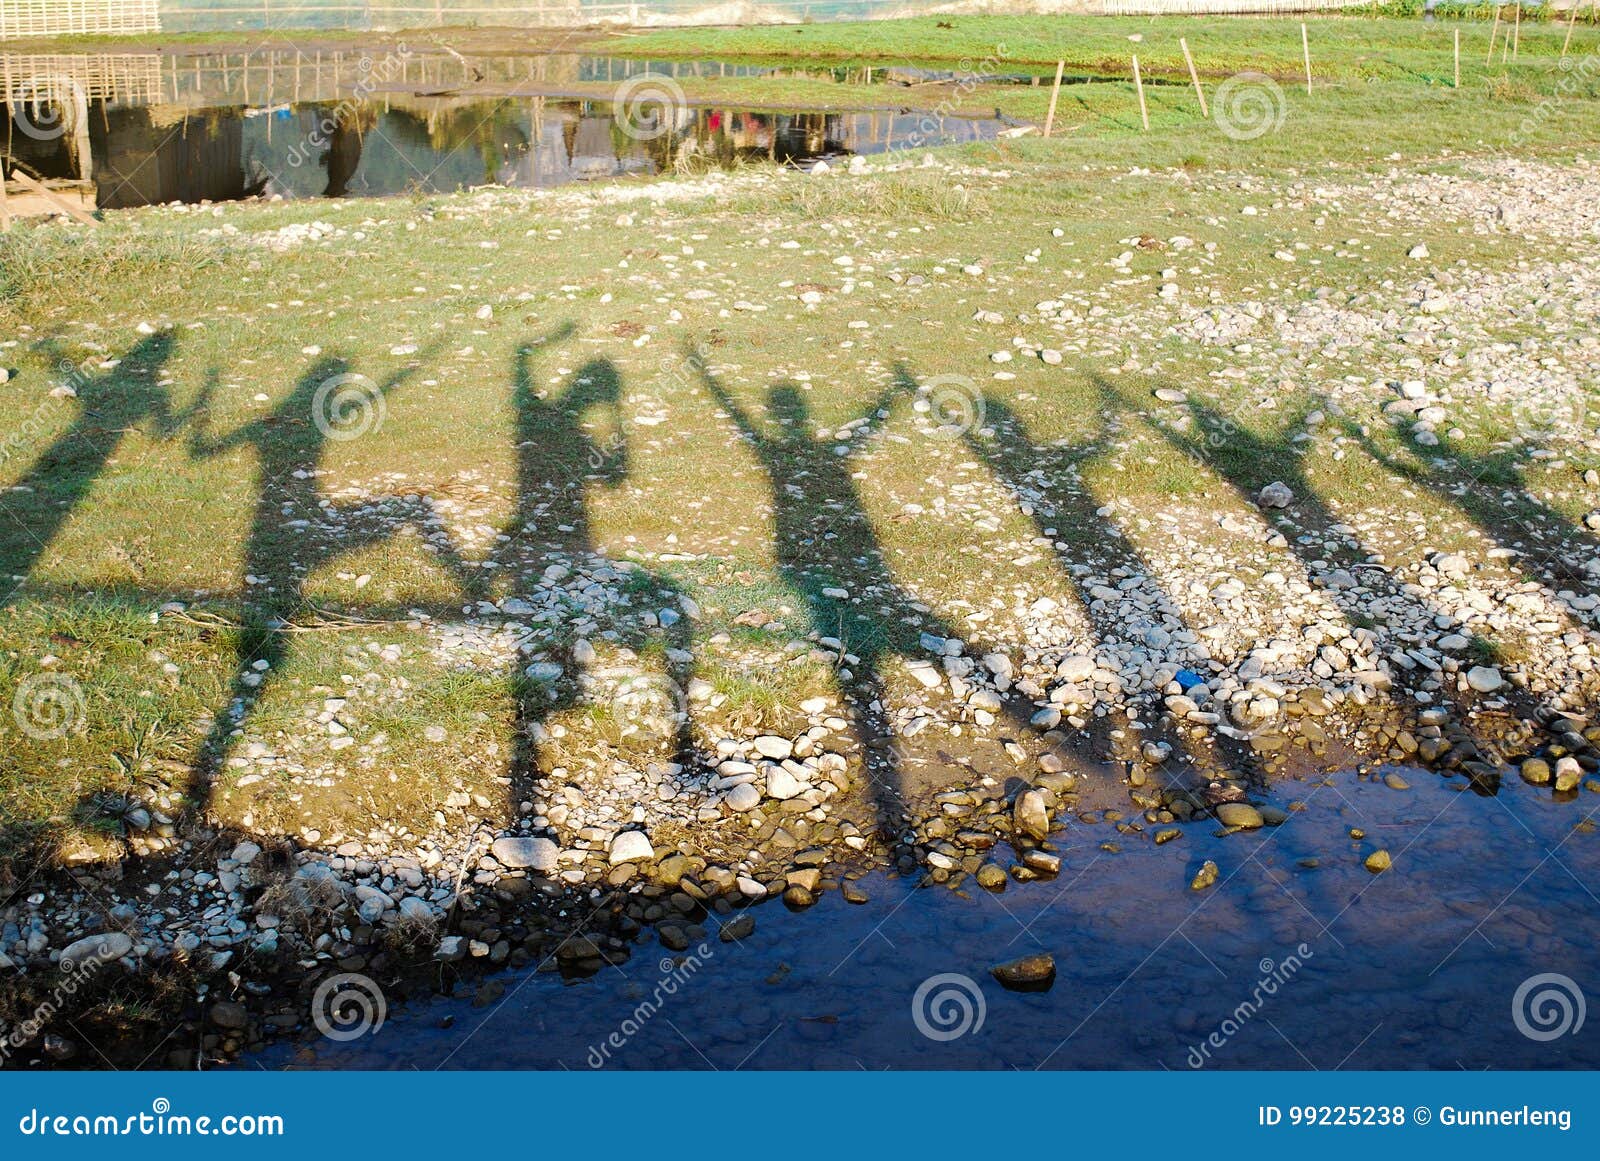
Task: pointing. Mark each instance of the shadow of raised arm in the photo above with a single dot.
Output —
(726, 402)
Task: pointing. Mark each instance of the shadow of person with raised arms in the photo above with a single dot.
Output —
(825, 545)
(38, 504)
(293, 532)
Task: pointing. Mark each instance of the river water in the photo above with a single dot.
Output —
(146, 128)
(1472, 952)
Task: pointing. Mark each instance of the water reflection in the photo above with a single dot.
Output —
(1414, 968)
(148, 130)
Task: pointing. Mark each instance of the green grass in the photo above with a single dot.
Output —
(147, 484)
(1351, 47)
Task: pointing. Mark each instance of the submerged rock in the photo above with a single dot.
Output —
(1031, 973)
(1241, 815)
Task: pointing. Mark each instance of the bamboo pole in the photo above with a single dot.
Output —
(1458, 58)
(1494, 30)
(1516, 32)
(5, 208)
(1305, 48)
(1055, 93)
(66, 207)
(1138, 84)
(1572, 22)
(1199, 93)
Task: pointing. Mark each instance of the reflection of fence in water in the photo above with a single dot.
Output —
(133, 77)
(263, 77)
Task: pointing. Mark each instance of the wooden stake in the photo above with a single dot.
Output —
(1305, 47)
(1516, 32)
(1138, 83)
(1199, 93)
(1458, 58)
(75, 212)
(1493, 32)
(1571, 23)
(1055, 93)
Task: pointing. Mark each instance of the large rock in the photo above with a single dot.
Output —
(782, 784)
(772, 746)
(743, 797)
(1276, 495)
(631, 846)
(1485, 678)
(1075, 668)
(230, 1015)
(1240, 814)
(1568, 773)
(535, 854)
(1030, 815)
(104, 947)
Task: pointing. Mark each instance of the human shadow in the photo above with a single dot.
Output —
(546, 563)
(39, 503)
(294, 531)
(1462, 479)
(1331, 556)
(1044, 480)
(826, 546)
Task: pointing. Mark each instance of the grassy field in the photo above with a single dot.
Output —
(547, 377)
(1343, 47)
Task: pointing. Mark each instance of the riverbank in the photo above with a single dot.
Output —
(508, 578)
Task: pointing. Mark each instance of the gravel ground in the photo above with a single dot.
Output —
(1152, 662)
